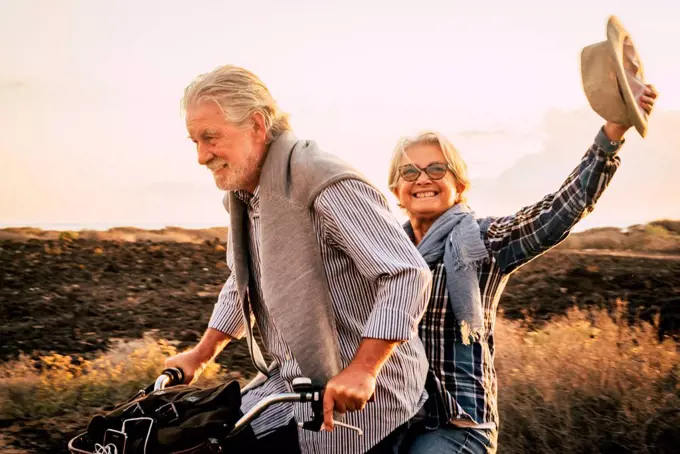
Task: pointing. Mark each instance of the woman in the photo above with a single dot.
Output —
(471, 260)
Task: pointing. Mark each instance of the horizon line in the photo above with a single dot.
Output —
(149, 226)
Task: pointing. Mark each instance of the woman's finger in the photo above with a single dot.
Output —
(647, 100)
(651, 91)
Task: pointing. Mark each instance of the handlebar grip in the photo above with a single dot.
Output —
(304, 384)
(175, 374)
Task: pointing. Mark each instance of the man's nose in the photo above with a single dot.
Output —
(204, 156)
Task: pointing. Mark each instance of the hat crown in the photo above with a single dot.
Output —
(612, 74)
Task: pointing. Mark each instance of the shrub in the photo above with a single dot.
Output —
(587, 382)
(62, 384)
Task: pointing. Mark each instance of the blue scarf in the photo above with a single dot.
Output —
(456, 237)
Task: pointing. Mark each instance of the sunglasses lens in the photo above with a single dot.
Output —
(410, 173)
(436, 171)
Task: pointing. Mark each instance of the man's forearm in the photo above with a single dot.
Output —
(212, 343)
(372, 354)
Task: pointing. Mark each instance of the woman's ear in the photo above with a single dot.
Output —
(460, 189)
(394, 192)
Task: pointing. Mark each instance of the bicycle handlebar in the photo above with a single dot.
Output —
(267, 402)
(303, 391)
(169, 377)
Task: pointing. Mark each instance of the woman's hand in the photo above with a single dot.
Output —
(646, 99)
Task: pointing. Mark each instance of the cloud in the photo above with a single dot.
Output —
(12, 84)
(644, 188)
(474, 133)
(495, 134)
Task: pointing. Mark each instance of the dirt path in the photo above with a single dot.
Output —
(563, 278)
(631, 254)
(74, 297)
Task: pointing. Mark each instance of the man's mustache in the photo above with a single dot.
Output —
(215, 163)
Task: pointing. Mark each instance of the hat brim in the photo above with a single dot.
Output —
(629, 70)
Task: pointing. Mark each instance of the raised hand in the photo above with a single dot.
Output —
(646, 98)
(646, 95)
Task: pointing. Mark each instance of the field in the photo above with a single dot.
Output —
(86, 319)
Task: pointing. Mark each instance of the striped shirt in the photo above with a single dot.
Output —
(465, 374)
(379, 288)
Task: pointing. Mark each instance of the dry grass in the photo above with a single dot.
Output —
(56, 384)
(585, 383)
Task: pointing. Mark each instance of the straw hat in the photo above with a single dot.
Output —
(613, 78)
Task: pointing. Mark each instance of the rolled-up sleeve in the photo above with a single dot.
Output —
(227, 315)
(357, 220)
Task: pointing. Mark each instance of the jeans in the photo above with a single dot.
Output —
(450, 439)
(392, 443)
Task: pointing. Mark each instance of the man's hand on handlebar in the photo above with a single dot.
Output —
(354, 386)
(347, 391)
(194, 361)
(190, 362)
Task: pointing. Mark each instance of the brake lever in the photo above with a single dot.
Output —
(350, 427)
(304, 385)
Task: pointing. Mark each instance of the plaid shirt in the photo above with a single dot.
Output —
(464, 374)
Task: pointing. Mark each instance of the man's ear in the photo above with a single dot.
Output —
(259, 127)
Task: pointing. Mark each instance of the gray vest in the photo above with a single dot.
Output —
(294, 282)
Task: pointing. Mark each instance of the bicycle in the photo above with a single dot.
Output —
(303, 392)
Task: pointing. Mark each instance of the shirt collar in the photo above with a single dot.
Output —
(251, 200)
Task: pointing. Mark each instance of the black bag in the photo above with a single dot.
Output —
(180, 419)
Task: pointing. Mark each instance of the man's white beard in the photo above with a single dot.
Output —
(234, 179)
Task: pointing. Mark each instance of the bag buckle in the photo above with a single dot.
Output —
(140, 393)
(167, 413)
(133, 411)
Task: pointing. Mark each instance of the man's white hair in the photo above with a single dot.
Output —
(239, 94)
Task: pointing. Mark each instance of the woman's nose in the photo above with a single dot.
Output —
(423, 178)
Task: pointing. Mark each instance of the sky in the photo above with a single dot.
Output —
(91, 133)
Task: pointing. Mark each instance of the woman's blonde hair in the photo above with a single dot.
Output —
(239, 93)
(454, 160)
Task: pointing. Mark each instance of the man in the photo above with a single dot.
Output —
(319, 263)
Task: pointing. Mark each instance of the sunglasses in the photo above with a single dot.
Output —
(435, 171)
